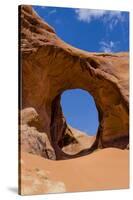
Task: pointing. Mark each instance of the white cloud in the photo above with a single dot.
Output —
(87, 15)
(43, 7)
(108, 46)
(111, 17)
(52, 11)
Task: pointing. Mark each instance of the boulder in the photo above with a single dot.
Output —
(31, 139)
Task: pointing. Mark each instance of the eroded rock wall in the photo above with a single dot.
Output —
(51, 66)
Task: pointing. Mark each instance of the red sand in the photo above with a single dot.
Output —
(103, 169)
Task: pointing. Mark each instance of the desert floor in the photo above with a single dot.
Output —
(103, 169)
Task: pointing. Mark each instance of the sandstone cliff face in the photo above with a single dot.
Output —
(50, 66)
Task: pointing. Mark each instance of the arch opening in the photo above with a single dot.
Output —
(82, 121)
(79, 110)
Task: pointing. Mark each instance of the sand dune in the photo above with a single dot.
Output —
(104, 169)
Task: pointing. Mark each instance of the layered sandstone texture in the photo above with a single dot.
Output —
(49, 67)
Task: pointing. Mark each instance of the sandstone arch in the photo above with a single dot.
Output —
(50, 66)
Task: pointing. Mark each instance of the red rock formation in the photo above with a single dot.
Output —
(33, 139)
(50, 66)
(81, 141)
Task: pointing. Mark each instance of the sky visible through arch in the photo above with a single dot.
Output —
(90, 30)
(80, 110)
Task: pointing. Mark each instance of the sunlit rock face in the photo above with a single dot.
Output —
(50, 66)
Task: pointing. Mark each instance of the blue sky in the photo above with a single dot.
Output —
(80, 110)
(94, 31)
(91, 30)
